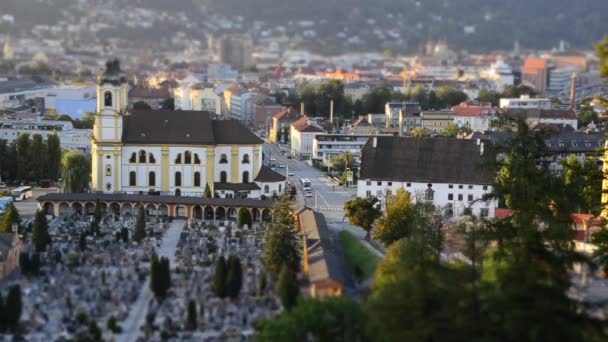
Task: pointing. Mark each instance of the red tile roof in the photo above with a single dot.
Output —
(502, 213)
(288, 113)
(304, 124)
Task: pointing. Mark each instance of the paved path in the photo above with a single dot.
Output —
(137, 315)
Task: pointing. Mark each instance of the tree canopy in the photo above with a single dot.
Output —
(76, 171)
(362, 212)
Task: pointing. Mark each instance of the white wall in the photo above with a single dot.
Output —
(440, 196)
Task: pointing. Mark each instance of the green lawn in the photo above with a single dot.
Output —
(361, 261)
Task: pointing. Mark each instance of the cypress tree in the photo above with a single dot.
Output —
(234, 277)
(37, 153)
(244, 218)
(262, 284)
(288, 288)
(207, 193)
(191, 315)
(11, 215)
(97, 215)
(140, 225)
(219, 282)
(154, 275)
(13, 307)
(82, 242)
(53, 156)
(165, 271)
(40, 234)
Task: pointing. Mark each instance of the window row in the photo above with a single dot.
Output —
(189, 158)
(224, 159)
(142, 157)
(460, 197)
(178, 178)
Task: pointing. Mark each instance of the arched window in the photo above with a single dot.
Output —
(132, 178)
(246, 177)
(223, 159)
(108, 170)
(152, 178)
(107, 99)
(197, 179)
(108, 187)
(178, 178)
(223, 177)
(266, 189)
(142, 157)
(151, 158)
(245, 159)
(187, 157)
(197, 160)
(133, 158)
(178, 159)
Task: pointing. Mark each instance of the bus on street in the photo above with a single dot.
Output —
(22, 193)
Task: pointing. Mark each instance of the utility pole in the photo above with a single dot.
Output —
(316, 199)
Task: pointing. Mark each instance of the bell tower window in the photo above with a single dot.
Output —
(107, 99)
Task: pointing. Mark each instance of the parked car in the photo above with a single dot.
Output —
(308, 194)
(290, 174)
(281, 166)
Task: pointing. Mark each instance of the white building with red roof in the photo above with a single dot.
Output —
(302, 134)
(478, 116)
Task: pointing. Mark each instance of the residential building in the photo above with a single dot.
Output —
(409, 119)
(236, 50)
(362, 126)
(478, 116)
(322, 264)
(153, 97)
(392, 110)
(263, 111)
(73, 100)
(172, 152)
(301, 136)
(446, 172)
(69, 137)
(525, 102)
(536, 73)
(356, 90)
(327, 146)
(436, 121)
(281, 123)
(500, 75)
(14, 93)
(535, 117)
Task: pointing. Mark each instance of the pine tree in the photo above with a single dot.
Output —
(219, 281)
(287, 288)
(140, 225)
(207, 193)
(54, 156)
(23, 156)
(13, 307)
(165, 279)
(191, 315)
(40, 234)
(11, 216)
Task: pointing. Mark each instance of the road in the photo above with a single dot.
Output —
(137, 315)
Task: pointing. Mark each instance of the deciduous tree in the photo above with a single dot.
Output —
(362, 212)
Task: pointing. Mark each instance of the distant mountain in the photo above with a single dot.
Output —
(492, 24)
(328, 26)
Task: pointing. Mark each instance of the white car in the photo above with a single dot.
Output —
(273, 159)
(290, 174)
(308, 194)
(281, 166)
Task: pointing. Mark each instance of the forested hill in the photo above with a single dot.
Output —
(497, 23)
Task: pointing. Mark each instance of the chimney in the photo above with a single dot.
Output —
(573, 92)
(481, 149)
(331, 111)
(302, 108)
(375, 142)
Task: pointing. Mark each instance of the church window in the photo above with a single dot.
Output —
(152, 178)
(178, 159)
(197, 179)
(108, 187)
(178, 178)
(107, 99)
(108, 170)
(142, 157)
(223, 177)
(266, 189)
(187, 157)
(133, 158)
(197, 160)
(246, 177)
(151, 158)
(245, 159)
(223, 159)
(132, 178)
